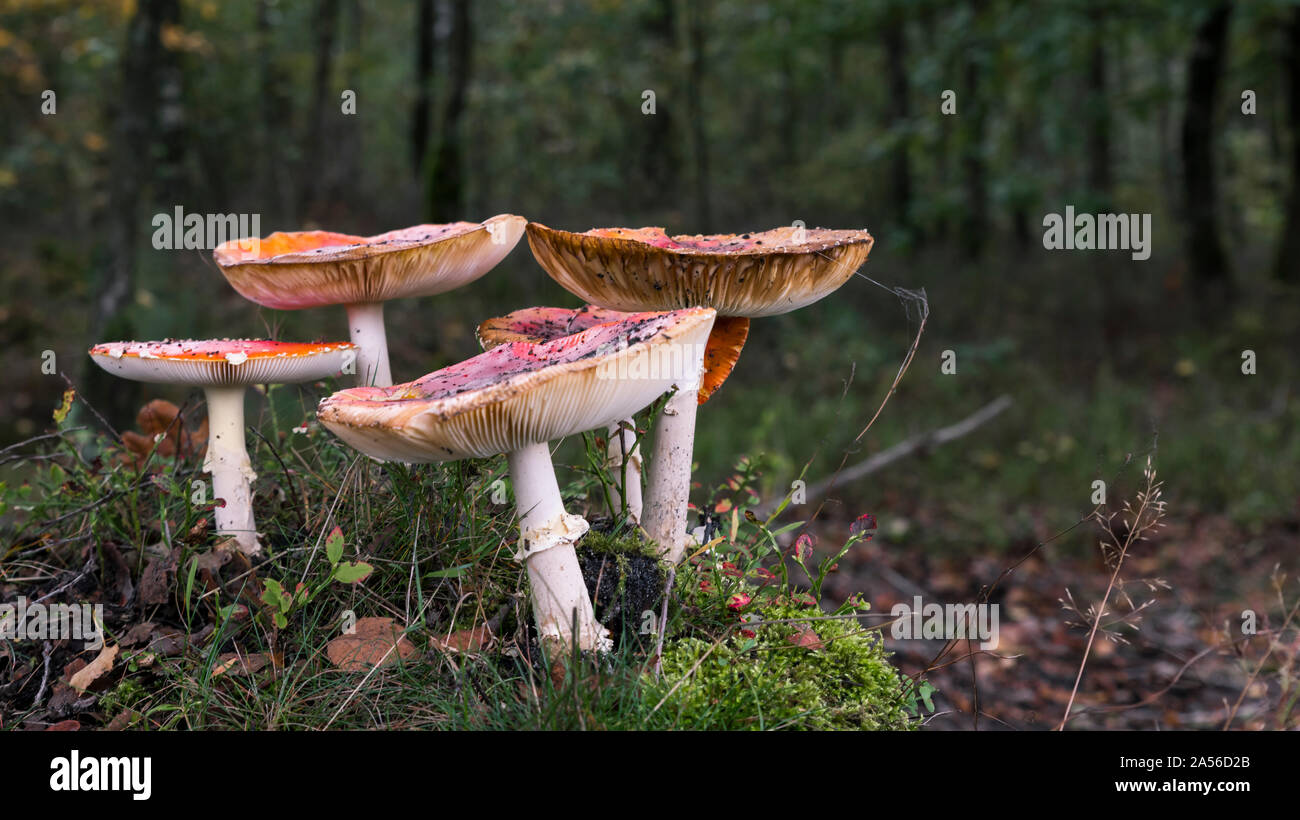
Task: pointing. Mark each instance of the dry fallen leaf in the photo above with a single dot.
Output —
(158, 579)
(163, 434)
(64, 726)
(233, 663)
(464, 640)
(95, 669)
(376, 642)
(807, 638)
(138, 634)
(124, 719)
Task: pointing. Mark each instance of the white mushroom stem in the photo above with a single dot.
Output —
(623, 461)
(366, 324)
(232, 473)
(561, 605)
(669, 487)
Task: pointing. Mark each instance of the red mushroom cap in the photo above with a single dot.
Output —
(520, 393)
(208, 362)
(542, 324)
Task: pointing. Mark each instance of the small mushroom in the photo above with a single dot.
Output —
(513, 399)
(306, 269)
(742, 277)
(224, 368)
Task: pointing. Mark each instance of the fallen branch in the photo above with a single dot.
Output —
(924, 441)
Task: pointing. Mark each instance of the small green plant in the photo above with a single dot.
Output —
(281, 602)
(918, 701)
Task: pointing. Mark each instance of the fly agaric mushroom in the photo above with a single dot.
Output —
(513, 399)
(223, 368)
(306, 269)
(623, 452)
(543, 324)
(741, 276)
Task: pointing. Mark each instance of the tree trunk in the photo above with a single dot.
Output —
(274, 189)
(1099, 142)
(788, 122)
(895, 37)
(135, 131)
(1206, 258)
(446, 176)
(659, 152)
(1288, 260)
(426, 19)
(326, 24)
(837, 111)
(699, 140)
(972, 108)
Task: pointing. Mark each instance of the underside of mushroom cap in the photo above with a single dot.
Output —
(520, 393)
(752, 275)
(305, 269)
(223, 362)
(722, 352)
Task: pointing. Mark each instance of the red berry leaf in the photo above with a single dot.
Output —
(864, 528)
(803, 547)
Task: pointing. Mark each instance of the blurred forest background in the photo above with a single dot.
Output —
(766, 112)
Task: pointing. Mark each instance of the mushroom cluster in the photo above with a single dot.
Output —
(300, 270)
(664, 315)
(741, 276)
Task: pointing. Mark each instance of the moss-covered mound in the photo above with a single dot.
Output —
(823, 674)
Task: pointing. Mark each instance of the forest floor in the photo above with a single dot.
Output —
(1183, 667)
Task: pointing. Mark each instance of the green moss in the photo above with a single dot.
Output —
(617, 543)
(768, 682)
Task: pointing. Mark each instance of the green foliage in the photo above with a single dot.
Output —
(282, 603)
(848, 683)
(618, 544)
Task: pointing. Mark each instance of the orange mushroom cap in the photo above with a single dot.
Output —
(304, 269)
(222, 361)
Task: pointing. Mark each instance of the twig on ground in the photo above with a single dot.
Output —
(663, 618)
(924, 441)
(1232, 713)
(46, 649)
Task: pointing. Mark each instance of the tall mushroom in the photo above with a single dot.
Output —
(543, 324)
(741, 276)
(307, 269)
(224, 368)
(623, 451)
(513, 399)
